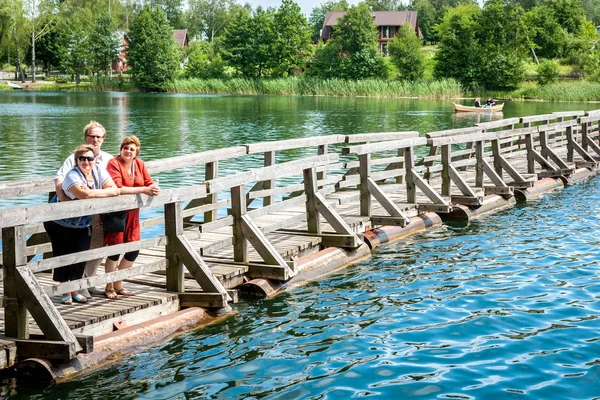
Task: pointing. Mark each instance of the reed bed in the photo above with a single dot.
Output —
(305, 86)
(562, 91)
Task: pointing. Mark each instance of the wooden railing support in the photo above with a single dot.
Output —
(14, 256)
(174, 229)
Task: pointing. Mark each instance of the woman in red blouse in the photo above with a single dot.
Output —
(129, 174)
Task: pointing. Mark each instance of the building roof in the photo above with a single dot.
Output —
(380, 18)
(181, 37)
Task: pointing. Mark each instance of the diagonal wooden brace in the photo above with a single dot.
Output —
(334, 219)
(428, 191)
(460, 183)
(261, 244)
(198, 268)
(542, 161)
(584, 154)
(510, 170)
(387, 203)
(42, 309)
(491, 173)
(554, 157)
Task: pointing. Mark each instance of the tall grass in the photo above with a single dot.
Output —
(562, 91)
(305, 86)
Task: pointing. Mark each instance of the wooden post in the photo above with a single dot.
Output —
(411, 190)
(322, 150)
(173, 229)
(530, 153)
(446, 170)
(544, 143)
(238, 209)
(211, 172)
(584, 135)
(14, 255)
(497, 157)
(364, 170)
(310, 189)
(270, 184)
(479, 173)
(570, 147)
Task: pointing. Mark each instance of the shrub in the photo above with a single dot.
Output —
(547, 72)
(406, 53)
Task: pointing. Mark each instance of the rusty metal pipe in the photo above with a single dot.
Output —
(385, 234)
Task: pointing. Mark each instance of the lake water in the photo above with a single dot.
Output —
(505, 307)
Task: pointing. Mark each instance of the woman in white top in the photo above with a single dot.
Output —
(71, 235)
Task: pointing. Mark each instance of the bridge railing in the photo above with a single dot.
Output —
(24, 293)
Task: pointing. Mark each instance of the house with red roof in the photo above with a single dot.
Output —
(388, 23)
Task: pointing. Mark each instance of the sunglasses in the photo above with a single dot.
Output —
(84, 158)
(95, 137)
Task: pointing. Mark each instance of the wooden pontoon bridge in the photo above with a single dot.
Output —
(297, 205)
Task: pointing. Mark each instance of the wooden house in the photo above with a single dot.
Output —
(181, 37)
(388, 23)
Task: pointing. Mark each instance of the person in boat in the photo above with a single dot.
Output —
(478, 102)
(94, 135)
(86, 180)
(131, 176)
(490, 102)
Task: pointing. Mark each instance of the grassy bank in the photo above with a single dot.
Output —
(561, 91)
(304, 86)
(300, 86)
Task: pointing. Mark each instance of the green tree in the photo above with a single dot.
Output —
(353, 51)
(173, 10)
(592, 10)
(482, 47)
(75, 51)
(105, 44)
(427, 19)
(405, 51)
(384, 5)
(210, 18)
(152, 51)
(458, 52)
(248, 42)
(204, 62)
(569, 14)
(292, 46)
(544, 33)
(547, 72)
(50, 49)
(317, 15)
(7, 17)
(41, 15)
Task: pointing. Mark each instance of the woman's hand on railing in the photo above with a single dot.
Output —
(152, 190)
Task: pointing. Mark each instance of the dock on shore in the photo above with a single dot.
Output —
(298, 209)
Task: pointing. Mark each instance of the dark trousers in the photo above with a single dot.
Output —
(67, 241)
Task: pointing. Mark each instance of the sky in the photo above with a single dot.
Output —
(306, 5)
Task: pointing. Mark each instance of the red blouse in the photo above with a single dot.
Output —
(122, 178)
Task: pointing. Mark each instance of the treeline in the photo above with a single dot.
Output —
(487, 47)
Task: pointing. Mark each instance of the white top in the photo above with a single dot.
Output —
(69, 163)
(75, 176)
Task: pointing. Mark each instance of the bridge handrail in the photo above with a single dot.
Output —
(10, 217)
(42, 185)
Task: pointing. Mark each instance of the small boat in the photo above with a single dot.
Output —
(461, 108)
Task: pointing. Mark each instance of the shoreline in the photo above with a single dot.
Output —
(570, 91)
